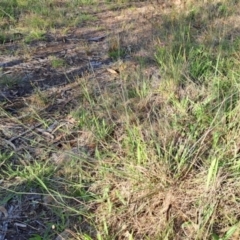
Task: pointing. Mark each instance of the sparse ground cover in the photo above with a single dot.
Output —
(119, 120)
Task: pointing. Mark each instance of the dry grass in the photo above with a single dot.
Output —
(141, 141)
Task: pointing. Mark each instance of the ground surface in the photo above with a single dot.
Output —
(83, 49)
(123, 125)
(28, 69)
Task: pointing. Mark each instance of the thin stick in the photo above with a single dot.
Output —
(27, 131)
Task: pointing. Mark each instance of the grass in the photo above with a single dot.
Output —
(57, 62)
(33, 19)
(148, 163)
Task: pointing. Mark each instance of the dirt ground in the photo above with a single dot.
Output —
(85, 49)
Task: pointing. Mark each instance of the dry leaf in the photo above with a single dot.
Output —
(45, 133)
(4, 211)
(96, 39)
(113, 71)
(66, 234)
(48, 200)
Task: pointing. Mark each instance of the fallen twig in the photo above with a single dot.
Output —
(27, 131)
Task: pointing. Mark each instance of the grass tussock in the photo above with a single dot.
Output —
(135, 159)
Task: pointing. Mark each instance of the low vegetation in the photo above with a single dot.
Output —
(139, 156)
